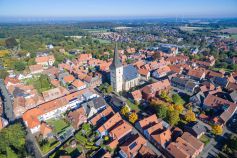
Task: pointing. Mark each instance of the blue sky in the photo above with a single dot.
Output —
(118, 8)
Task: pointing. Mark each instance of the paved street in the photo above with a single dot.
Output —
(32, 145)
(7, 103)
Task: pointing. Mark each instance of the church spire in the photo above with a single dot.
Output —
(116, 60)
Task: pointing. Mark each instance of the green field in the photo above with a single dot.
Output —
(58, 125)
(96, 30)
(234, 36)
(102, 40)
(205, 139)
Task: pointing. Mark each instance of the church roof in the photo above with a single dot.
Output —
(129, 73)
(116, 61)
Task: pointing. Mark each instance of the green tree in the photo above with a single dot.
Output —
(86, 127)
(13, 138)
(3, 74)
(19, 66)
(177, 99)
(11, 42)
(161, 111)
(173, 117)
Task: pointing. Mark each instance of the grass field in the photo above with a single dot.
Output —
(133, 106)
(51, 144)
(96, 30)
(234, 36)
(102, 40)
(58, 125)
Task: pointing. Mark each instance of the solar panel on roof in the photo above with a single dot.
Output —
(132, 145)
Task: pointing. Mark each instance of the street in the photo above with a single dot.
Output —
(7, 103)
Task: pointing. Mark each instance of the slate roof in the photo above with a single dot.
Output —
(116, 61)
(129, 73)
(196, 128)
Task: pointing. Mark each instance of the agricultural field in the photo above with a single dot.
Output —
(232, 30)
(96, 30)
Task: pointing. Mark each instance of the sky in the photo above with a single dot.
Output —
(118, 8)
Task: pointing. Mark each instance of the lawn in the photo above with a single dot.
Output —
(205, 139)
(41, 83)
(51, 144)
(133, 106)
(58, 125)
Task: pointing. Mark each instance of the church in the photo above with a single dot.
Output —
(122, 77)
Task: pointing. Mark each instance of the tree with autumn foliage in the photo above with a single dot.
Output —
(179, 108)
(217, 129)
(173, 117)
(125, 110)
(133, 117)
(190, 116)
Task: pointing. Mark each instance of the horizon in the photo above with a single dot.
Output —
(105, 9)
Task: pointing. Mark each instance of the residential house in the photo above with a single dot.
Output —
(93, 106)
(54, 93)
(156, 130)
(68, 79)
(36, 69)
(77, 117)
(196, 74)
(52, 109)
(78, 84)
(131, 147)
(224, 106)
(101, 117)
(144, 73)
(151, 90)
(45, 61)
(107, 126)
(184, 85)
(186, 146)
(136, 96)
(161, 72)
(46, 131)
(93, 80)
(196, 129)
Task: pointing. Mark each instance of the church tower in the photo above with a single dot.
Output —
(116, 72)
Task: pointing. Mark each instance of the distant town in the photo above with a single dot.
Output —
(119, 89)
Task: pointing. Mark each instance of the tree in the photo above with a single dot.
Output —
(161, 111)
(177, 99)
(19, 66)
(3, 74)
(190, 116)
(125, 110)
(86, 127)
(133, 117)
(173, 117)
(217, 129)
(179, 108)
(11, 42)
(15, 141)
(109, 89)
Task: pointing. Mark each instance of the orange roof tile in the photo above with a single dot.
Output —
(78, 83)
(68, 79)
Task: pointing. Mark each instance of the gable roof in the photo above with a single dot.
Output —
(149, 121)
(133, 145)
(137, 95)
(130, 73)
